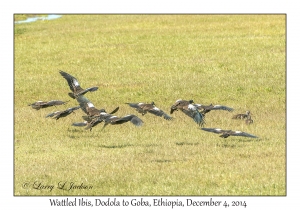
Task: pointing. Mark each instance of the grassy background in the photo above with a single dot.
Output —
(233, 60)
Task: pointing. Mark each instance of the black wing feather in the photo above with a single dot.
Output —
(72, 81)
(240, 133)
(195, 114)
(160, 113)
(133, 105)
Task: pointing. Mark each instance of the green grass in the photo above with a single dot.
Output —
(233, 60)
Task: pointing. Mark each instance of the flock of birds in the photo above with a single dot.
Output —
(96, 116)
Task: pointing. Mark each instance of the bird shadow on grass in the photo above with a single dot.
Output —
(233, 143)
(74, 130)
(82, 132)
(226, 145)
(246, 140)
(186, 143)
(168, 160)
(126, 145)
(115, 146)
(161, 161)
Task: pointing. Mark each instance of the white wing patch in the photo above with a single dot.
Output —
(155, 108)
(192, 107)
(90, 104)
(75, 83)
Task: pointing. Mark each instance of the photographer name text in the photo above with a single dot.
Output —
(60, 185)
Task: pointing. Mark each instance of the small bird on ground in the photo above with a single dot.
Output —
(227, 133)
(241, 116)
(75, 86)
(143, 108)
(249, 120)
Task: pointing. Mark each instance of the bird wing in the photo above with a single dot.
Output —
(73, 109)
(132, 118)
(193, 112)
(134, 105)
(55, 102)
(114, 111)
(93, 123)
(86, 105)
(72, 81)
(136, 121)
(109, 119)
(82, 100)
(84, 91)
(80, 124)
(117, 120)
(88, 118)
(241, 133)
(214, 130)
(92, 89)
(158, 112)
(221, 107)
(203, 109)
(37, 105)
(66, 112)
(53, 114)
(40, 103)
(213, 107)
(199, 106)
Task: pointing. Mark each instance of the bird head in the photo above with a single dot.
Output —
(191, 101)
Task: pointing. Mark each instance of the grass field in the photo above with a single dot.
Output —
(234, 60)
